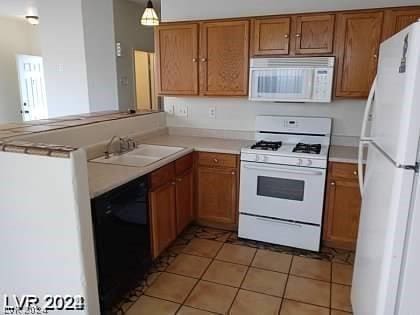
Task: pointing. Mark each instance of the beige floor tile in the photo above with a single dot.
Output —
(265, 281)
(340, 297)
(189, 265)
(311, 268)
(251, 303)
(335, 312)
(297, 308)
(171, 287)
(149, 305)
(225, 273)
(212, 297)
(266, 259)
(236, 254)
(186, 310)
(308, 291)
(202, 247)
(342, 274)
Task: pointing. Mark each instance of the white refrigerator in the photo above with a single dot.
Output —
(386, 275)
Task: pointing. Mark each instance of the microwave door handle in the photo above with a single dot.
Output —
(282, 170)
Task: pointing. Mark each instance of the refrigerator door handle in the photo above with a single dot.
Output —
(363, 138)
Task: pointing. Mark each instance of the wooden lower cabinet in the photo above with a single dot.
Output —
(163, 217)
(217, 190)
(342, 206)
(171, 202)
(184, 200)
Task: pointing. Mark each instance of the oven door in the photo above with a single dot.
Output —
(281, 84)
(282, 192)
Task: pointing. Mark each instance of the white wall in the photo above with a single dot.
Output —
(47, 234)
(239, 114)
(175, 10)
(62, 42)
(98, 22)
(16, 37)
(131, 35)
(77, 41)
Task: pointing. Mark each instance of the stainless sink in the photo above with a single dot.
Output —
(144, 155)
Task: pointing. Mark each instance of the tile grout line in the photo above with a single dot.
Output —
(285, 285)
(243, 280)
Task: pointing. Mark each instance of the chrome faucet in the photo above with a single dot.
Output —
(108, 146)
(126, 145)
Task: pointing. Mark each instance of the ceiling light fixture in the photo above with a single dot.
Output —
(149, 17)
(32, 19)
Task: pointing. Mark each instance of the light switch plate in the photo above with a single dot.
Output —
(181, 110)
(212, 112)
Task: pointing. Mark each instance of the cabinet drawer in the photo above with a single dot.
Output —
(183, 164)
(344, 170)
(162, 176)
(217, 159)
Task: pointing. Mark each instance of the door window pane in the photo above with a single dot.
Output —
(281, 188)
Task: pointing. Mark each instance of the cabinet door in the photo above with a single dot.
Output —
(176, 59)
(224, 58)
(271, 36)
(343, 204)
(217, 195)
(314, 34)
(357, 40)
(184, 201)
(163, 220)
(398, 19)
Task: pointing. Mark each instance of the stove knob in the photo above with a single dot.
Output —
(309, 162)
(300, 162)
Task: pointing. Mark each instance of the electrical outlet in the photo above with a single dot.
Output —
(181, 111)
(170, 109)
(212, 112)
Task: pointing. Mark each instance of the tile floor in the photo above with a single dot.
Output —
(210, 271)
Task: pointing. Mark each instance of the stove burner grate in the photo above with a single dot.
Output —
(307, 148)
(267, 145)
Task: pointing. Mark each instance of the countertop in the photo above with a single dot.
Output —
(344, 154)
(105, 177)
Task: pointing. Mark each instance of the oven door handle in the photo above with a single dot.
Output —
(279, 221)
(282, 170)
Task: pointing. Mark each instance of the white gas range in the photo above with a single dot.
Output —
(283, 181)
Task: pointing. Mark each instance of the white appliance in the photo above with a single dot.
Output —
(283, 181)
(386, 271)
(291, 79)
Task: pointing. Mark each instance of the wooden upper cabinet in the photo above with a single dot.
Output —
(270, 36)
(398, 19)
(177, 59)
(357, 39)
(224, 58)
(314, 34)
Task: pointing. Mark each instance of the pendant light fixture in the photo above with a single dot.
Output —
(149, 17)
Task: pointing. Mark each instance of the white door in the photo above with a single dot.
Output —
(383, 219)
(282, 192)
(32, 87)
(396, 116)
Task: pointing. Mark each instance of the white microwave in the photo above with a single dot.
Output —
(291, 79)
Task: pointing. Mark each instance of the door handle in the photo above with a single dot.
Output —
(280, 222)
(24, 111)
(282, 170)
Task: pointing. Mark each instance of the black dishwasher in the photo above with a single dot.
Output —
(122, 240)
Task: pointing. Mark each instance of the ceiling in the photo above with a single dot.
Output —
(18, 7)
(29, 7)
(173, 10)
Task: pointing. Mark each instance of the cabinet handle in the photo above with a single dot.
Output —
(375, 56)
(215, 160)
(195, 59)
(332, 184)
(298, 35)
(286, 35)
(179, 179)
(355, 173)
(173, 183)
(203, 59)
(233, 173)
